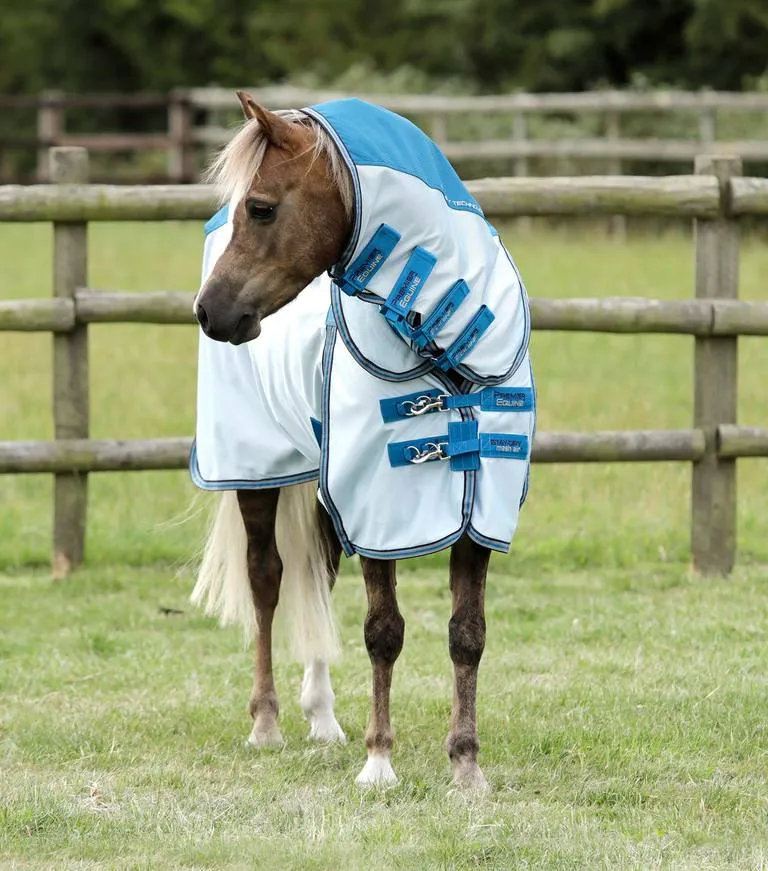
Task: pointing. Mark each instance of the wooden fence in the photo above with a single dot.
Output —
(193, 124)
(715, 198)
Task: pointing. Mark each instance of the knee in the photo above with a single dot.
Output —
(384, 634)
(466, 637)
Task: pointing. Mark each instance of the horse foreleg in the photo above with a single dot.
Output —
(466, 641)
(384, 631)
(259, 509)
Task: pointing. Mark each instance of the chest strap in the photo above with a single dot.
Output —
(463, 446)
(511, 399)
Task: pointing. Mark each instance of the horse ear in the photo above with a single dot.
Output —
(278, 131)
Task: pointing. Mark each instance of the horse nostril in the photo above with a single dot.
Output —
(202, 319)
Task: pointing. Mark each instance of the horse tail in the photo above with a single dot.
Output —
(223, 589)
(304, 612)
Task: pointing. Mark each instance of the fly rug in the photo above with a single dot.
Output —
(363, 327)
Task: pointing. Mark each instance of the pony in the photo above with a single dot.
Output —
(291, 195)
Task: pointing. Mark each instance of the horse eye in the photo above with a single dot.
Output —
(260, 211)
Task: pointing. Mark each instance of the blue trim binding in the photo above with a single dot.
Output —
(496, 544)
(369, 261)
(266, 483)
(218, 220)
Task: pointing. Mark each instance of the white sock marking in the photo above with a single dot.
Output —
(316, 702)
(377, 771)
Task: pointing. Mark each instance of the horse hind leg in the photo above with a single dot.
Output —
(311, 554)
(466, 641)
(258, 509)
(265, 543)
(316, 702)
(239, 582)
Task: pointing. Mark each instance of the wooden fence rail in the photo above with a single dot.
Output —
(185, 140)
(690, 317)
(715, 198)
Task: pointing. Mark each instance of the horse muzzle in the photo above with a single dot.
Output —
(227, 323)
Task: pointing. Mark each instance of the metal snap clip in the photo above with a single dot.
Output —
(430, 451)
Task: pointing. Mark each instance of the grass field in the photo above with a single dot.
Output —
(622, 702)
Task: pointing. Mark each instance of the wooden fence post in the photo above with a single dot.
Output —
(707, 127)
(618, 223)
(70, 369)
(713, 508)
(50, 126)
(179, 130)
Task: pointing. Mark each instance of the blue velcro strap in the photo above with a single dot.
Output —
(440, 314)
(431, 401)
(369, 261)
(408, 285)
(470, 336)
(503, 446)
(494, 399)
(401, 407)
(506, 399)
(463, 445)
(404, 453)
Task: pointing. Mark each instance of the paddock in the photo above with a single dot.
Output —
(624, 692)
(716, 198)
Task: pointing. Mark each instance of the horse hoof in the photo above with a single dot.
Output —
(377, 771)
(263, 740)
(468, 777)
(327, 731)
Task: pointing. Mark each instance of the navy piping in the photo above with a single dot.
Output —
(333, 511)
(236, 484)
(408, 552)
(470, 374)
(372, 368)
(493, 543)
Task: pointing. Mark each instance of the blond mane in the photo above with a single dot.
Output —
(233, 169)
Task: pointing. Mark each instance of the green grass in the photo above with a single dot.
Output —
(622, 701)
(622, 713)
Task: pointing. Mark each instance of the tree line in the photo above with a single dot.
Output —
(471, 45)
